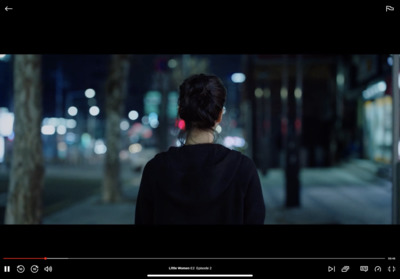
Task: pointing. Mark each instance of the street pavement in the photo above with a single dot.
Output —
(346, 194)
(350, 193)
(93, 210)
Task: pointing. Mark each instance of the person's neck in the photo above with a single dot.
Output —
(198, 136)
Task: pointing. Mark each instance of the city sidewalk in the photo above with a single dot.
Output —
(93, 210)
(348, 194)
(351, 193)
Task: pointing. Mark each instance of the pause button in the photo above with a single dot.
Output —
(6, 268)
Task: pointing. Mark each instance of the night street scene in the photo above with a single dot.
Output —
(76, 131)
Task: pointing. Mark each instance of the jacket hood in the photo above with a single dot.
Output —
(198, 174)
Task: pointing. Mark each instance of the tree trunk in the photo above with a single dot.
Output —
(24, 204)
(115, 96)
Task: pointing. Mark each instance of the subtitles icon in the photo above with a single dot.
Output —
(389, 8)
(364, 268)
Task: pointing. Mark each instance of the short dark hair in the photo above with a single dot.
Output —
(201, 99)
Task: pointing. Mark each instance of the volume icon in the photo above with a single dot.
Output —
(48, 269)
(6, 268)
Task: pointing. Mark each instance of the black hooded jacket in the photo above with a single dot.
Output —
(200, 184)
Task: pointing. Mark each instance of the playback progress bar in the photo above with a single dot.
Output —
(199, 275)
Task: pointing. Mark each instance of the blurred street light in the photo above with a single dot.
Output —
(94, 110)
(124, 125)
(5, 57)
(6, 122)
(172, 63)
(48, 129)
(90, 93)
(61, 129)
(238, 77)
(133, 115)
(72, 111)
(2, 149)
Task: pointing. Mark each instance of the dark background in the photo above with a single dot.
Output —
(76, 27)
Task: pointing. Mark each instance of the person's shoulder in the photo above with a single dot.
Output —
(157, 159)
(239, 156)
(245, 159)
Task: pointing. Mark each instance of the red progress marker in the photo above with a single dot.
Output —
(44, 258)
